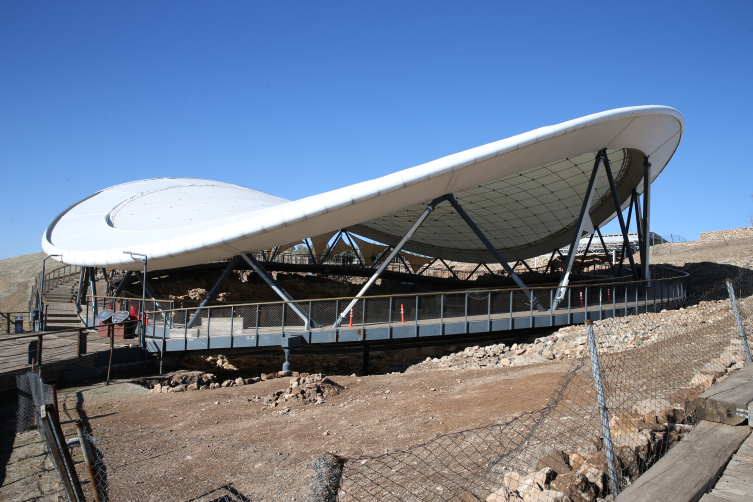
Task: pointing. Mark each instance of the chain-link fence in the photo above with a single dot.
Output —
(625, 399)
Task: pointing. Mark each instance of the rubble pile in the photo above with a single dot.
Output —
(305, 388)
(624, 333)
(639, 439)
(184, 381)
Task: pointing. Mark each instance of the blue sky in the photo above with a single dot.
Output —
(296, 98)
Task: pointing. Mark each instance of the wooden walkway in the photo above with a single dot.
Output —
(59, 353)
(736, 483)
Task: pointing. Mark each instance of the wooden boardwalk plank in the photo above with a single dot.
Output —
(691, 467)
(719, 403)
(736, 483)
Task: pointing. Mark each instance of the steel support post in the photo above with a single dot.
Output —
(355, 249)
(584, 223)
(494, 252)
(311, 253)
(450, 269)
(330, 248)
(618, 210)
(603, 412)
(604, 247)
(277, 289)
(429, 208)
(740, 330)
(93, 286)
(646, 218)
(82, 285)
(91, 466)
(49, 431)
(638, 219)
(585, 253)
(123, 283)
(216, 288)
(549, 263)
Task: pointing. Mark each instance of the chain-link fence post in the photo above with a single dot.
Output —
(91, 467)
(58, 455)
(596, 370)
(328, 472)
(740, 329)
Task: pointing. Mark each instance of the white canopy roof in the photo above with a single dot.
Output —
(524, 192)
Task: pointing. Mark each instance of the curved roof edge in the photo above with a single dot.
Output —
(346, 207)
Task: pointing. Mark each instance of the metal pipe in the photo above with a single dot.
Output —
(740, 330)
(66, 454)
(142, 337)
(429, 208)
(583, 223)
(494, 251)
(646, 217)
(603, 412)
(123, 283)
(91, 467)
(618, 210)
(56, 455)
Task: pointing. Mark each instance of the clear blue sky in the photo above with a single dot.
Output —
(295, 98)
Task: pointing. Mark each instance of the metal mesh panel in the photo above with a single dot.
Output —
(403, 309)
(429, 308)
(325, 312)
(270, 316)
(293, 319)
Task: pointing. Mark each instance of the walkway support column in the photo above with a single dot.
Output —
(618, 209)
(584, 224)
(123, 283)
(278, 289)
(531, 297)
(429, 208)
(215, 289)
(646, 218)
(92, 276)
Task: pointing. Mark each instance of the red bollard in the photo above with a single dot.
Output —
(609, 295)
(350, 324)
(581, 299)
(402, 314)
(146, 318)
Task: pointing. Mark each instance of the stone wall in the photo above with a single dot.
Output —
(720, 235)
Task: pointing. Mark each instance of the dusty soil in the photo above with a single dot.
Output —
(371, 416)
(707, 262)
(16, 278)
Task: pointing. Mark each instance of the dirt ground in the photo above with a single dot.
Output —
(16, 277)
(371, 416)
(707, 263)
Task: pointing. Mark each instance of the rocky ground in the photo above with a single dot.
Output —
(613, 335)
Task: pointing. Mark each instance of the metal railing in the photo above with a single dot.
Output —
(423, 314)
(51, 279)
(9, 319)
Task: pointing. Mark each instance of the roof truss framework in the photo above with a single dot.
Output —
(513, 212)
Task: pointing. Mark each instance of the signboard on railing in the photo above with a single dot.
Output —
(19, 323)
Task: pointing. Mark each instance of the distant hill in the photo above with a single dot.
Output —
(16, 277)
